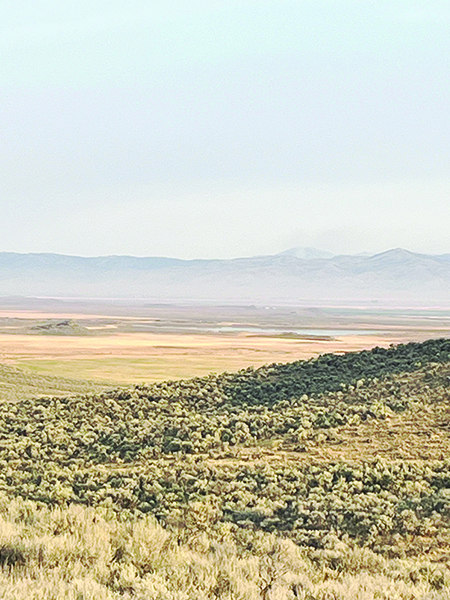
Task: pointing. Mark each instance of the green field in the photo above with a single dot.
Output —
(17, 384)
(129, 370)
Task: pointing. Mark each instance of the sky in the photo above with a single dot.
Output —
(222, 128)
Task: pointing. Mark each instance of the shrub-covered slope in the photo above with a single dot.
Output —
(198, 415)
(299, 462)
(321, 474)
(269, 385)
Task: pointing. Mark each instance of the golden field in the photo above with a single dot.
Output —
(158, 343)
(135, 357)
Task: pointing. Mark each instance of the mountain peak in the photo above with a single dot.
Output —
(400, 252)
(397, 255)
(306, 253)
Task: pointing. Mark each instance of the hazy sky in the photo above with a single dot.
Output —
(224, 128)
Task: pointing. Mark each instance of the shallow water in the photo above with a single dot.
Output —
(305, 332)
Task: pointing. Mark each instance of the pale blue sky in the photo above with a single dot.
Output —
(227, 128)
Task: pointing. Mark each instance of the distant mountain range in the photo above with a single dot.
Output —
(295, 276)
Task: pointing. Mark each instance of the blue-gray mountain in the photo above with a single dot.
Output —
(293, 276)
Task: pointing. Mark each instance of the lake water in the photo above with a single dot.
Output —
(305, 332)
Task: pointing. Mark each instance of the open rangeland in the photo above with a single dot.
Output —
(155, 343)
(136, 357)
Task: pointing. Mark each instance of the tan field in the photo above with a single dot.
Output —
(127, 358)
(138, 357)
(157, 343)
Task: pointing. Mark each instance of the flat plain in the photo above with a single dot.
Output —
(121, 344)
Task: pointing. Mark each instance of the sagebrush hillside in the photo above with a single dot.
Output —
(327, 478)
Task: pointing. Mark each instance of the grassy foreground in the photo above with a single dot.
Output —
(321, 479)
(79, 553)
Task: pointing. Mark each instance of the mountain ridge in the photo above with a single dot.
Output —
(296, 275)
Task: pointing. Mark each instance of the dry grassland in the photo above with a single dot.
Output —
(135, 357)
(156, 343)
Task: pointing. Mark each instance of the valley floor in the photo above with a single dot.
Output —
(155, 343)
